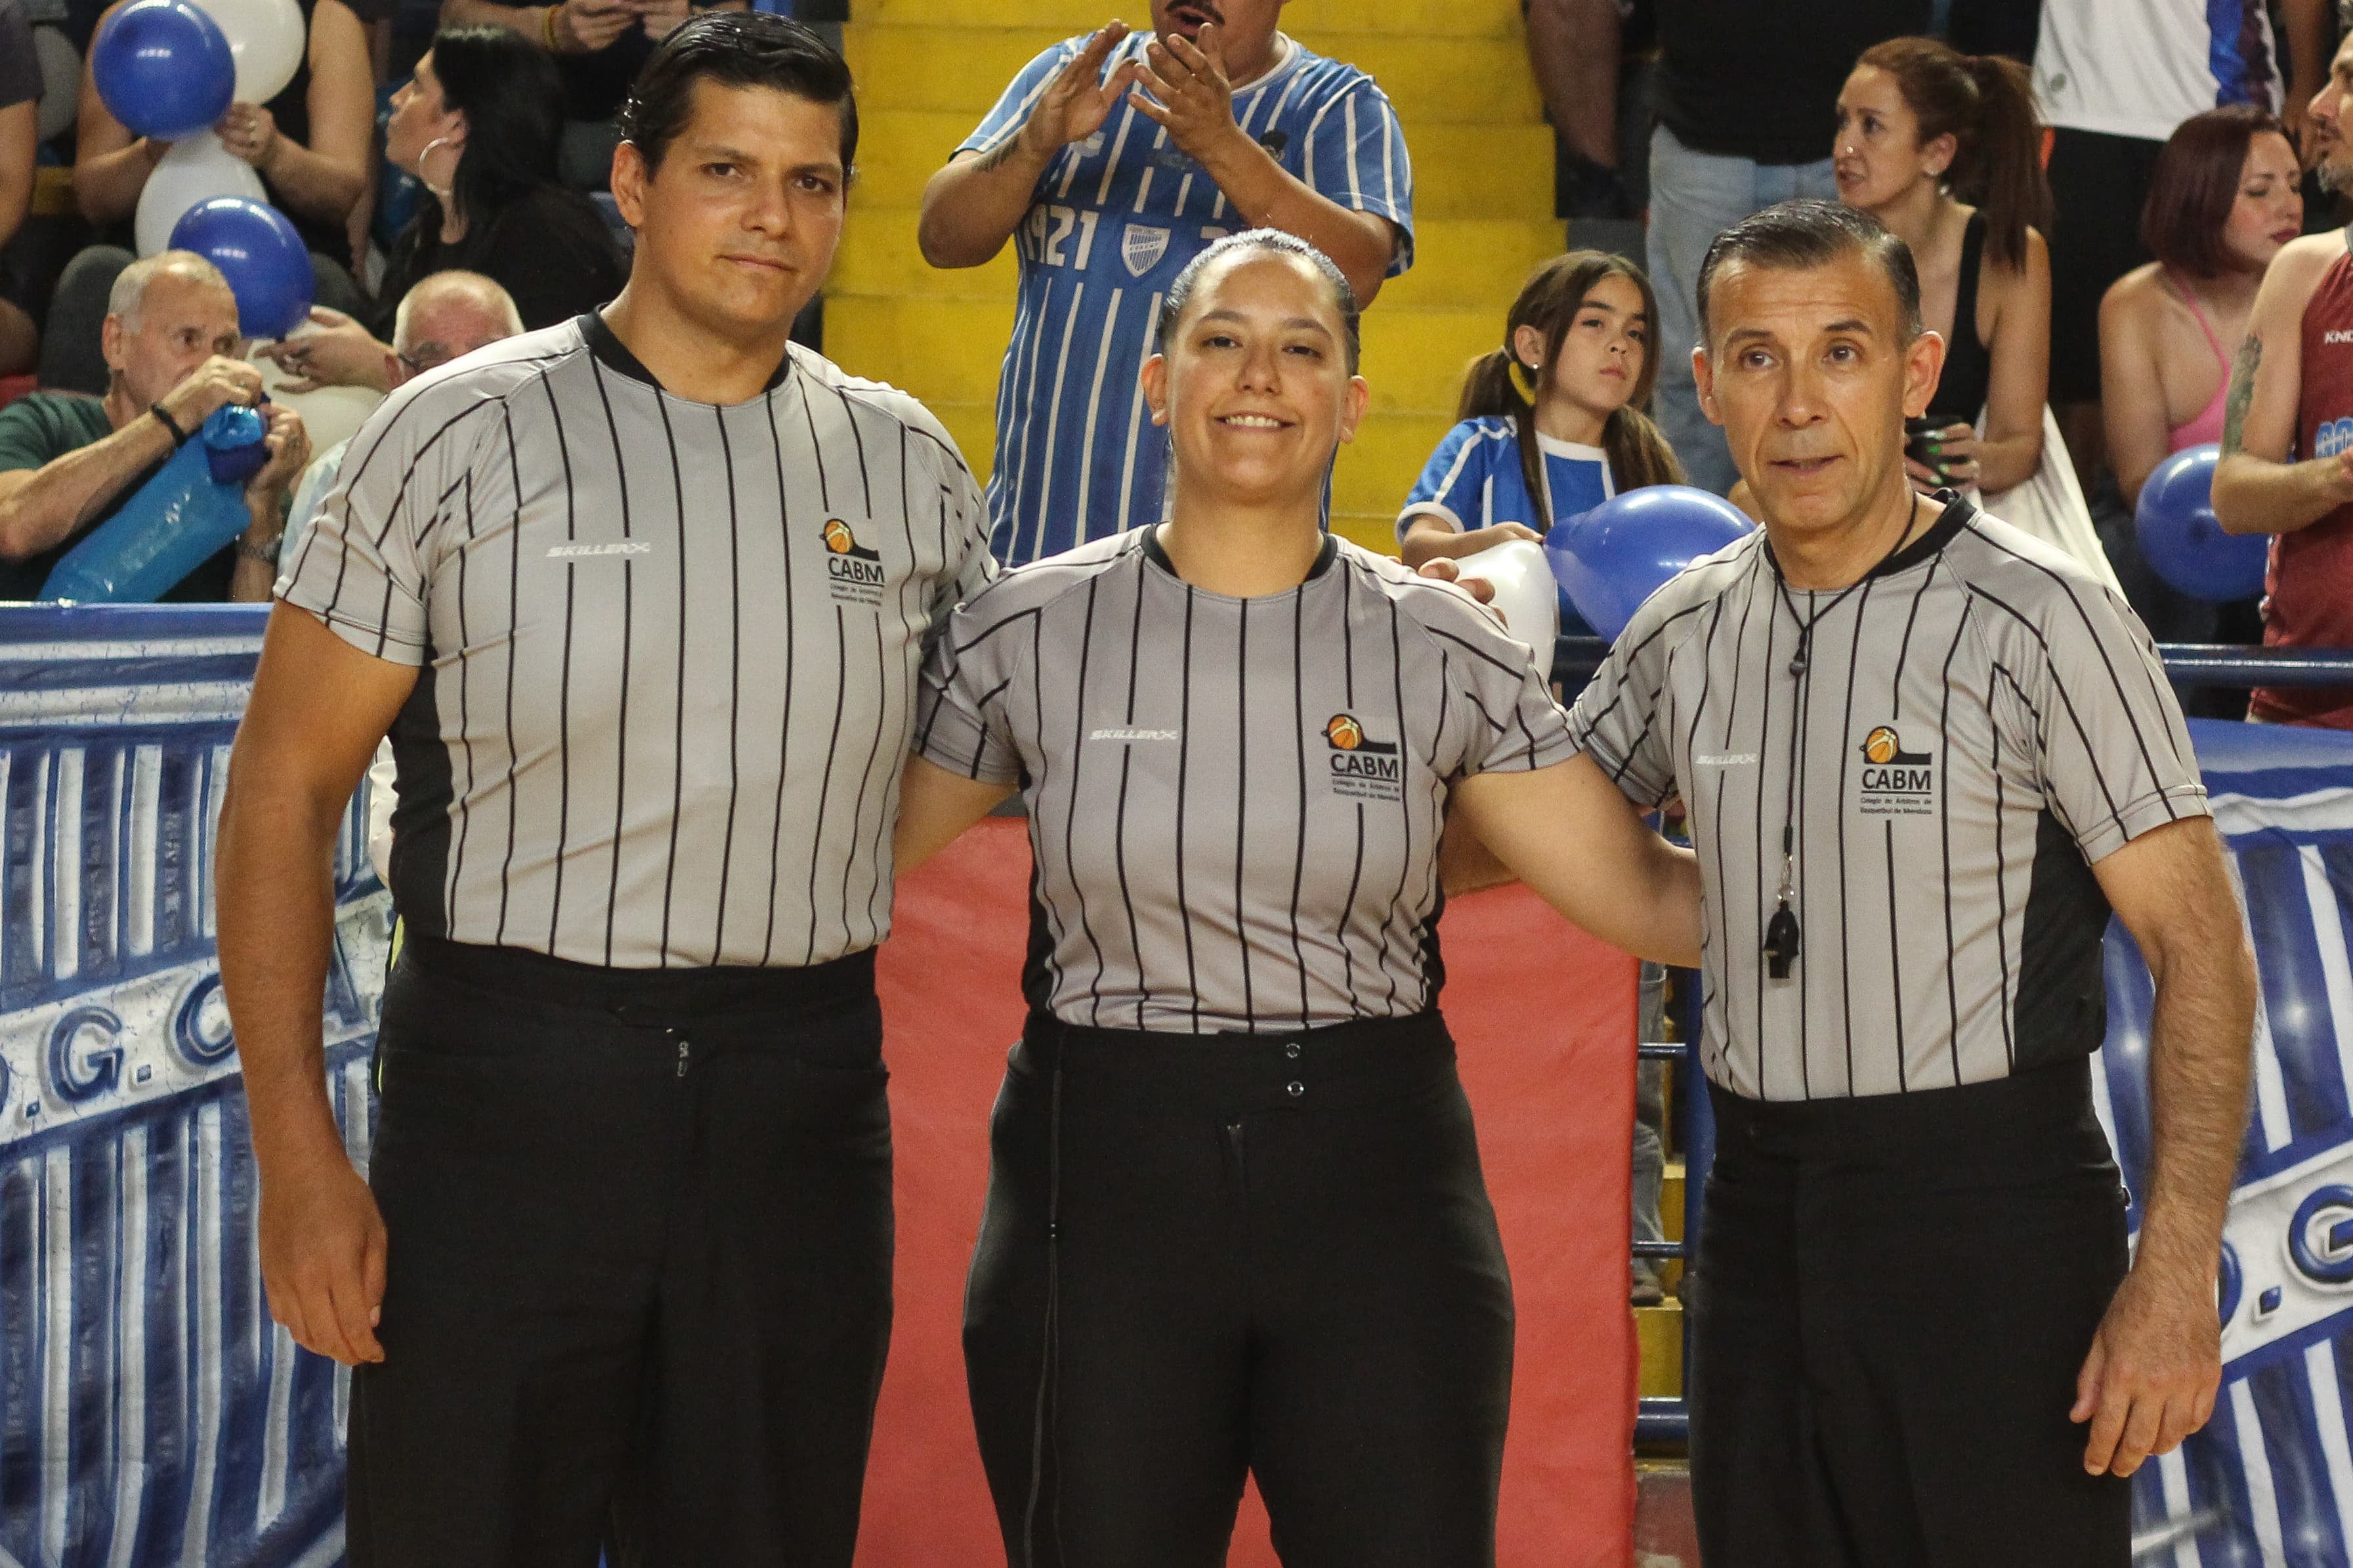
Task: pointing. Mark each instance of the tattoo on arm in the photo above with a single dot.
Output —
(2242, 391)
(1000, 155)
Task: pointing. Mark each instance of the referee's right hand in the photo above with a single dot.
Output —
(323, 1249)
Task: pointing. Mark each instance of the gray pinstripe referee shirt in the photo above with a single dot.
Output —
(1234, 803)
(669, 650)
(1980, 720)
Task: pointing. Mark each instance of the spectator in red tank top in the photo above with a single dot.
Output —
(2287, 432)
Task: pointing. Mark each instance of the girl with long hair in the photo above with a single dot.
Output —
(1945, 150)
(1552, 423)
(1236, 1223)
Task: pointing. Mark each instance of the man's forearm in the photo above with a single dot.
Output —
(1267, 195)
(277, 906)
(2199, 1063)
(60, 496)
(972, 206)
(1574, 46)
(2255, 495)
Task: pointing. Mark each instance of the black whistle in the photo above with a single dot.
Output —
(1781, 942)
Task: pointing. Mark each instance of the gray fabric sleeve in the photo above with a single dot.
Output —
(360, 569)
(1619, 721)
(960, 722)
(1501, 717)
(2114, 754)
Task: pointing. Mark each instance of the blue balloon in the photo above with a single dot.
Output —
(2182, 539)
(1610, 559)
(163, 67)
(260, 255)
(192, 509)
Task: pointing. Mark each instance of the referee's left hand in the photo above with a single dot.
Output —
(2155, 1368)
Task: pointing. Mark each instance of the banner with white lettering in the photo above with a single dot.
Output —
(151, 1414)
(2270, 1480)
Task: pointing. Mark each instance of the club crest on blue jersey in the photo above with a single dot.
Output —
(1362, 768)
(1141, 246)
(854, 573)
(1893, 781)
(2332, 436)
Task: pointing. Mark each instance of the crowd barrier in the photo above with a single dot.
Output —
(151, 1414)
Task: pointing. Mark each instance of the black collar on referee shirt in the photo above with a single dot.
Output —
(1159, 557)
(1958, 510)
(616, 355)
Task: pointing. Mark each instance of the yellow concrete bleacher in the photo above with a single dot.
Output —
(1458, 73)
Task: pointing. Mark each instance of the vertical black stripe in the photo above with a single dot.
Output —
(621, 721)
(1895, 967)
(908, 682)
(464, 724)
(515, 651)
(678, 728)
(1184, 756)
(825, 785)
(1299, 734)
(1767, 893)
(734, 680)
(865, 779)
(1119, 823)
(784, 729)
(1802, 700)
(1078, 763)
(1348, 692)
(1045, 911)
(2001, 882)
(1694, 742)
(564, 683)
(1242, 806)
(1391, 961)
(1845, 911)
(1945, 836)
(865, 481)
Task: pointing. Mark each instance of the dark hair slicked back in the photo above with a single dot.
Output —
(735, 49)
(1801, 235)
(1180, 293)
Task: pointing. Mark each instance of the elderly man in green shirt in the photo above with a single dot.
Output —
(69, 462)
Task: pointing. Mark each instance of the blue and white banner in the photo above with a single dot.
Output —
(151, 1414)
(2270, 1481)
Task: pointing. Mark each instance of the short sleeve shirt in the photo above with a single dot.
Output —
(1976, 723)
(1475, 479)
(37, 429)
(1234, 803)
(667, 650)
(2140, 67)
(1114, 218)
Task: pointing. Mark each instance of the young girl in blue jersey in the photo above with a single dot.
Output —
(1553, 423)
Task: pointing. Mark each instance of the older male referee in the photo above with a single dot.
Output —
(640, 599)
(1923, 757)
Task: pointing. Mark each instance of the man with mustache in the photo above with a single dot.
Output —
(1923, 757)
(2287, 431)
(1113, 160)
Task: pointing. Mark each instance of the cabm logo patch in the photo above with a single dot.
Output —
(1362, 768)
(1893, 781)
(854, 572)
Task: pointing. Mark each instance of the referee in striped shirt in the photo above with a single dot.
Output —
(641, 599)
(1923, 757)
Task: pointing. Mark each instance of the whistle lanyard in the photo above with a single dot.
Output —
(1783, 932)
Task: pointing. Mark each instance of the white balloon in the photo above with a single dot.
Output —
(1525, 591)
(197, 169)
(60, 81)
(267, 38)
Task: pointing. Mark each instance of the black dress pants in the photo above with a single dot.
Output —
(639, 1266)
(1894, 1297)
(1208, 1256)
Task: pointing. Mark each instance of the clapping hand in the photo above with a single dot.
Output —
(1185, 87)
(1074, 105)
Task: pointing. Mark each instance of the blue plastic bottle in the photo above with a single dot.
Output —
(192, 509)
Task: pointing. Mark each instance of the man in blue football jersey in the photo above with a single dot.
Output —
(1110, 162)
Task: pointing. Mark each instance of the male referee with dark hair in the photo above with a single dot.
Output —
(1923, 757)
(640, 599)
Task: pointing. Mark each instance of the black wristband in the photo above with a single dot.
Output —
(179, 436)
